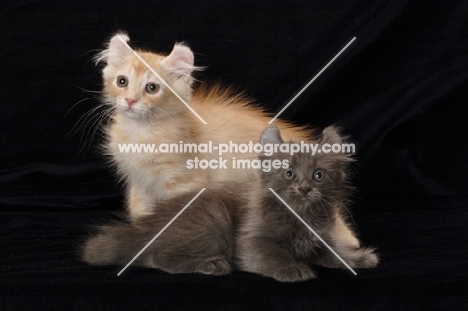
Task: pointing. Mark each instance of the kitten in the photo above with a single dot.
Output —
(273, 242)
(200, 240)
(147, 112)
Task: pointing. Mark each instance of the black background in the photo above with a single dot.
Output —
(399, 91)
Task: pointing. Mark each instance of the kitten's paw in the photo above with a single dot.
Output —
(215, 267)
(368, 258)
(294, 274)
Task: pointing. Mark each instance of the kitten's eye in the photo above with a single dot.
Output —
(319, 175)
(122, 81)
(289, 174)
(151, 88)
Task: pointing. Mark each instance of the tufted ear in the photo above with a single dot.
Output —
(331, 136)
(179, 64)
(116, 51)
(271, 135)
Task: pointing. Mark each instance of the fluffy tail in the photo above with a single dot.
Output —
(114, 245)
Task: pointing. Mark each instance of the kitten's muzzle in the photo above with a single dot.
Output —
(130, 101)
(304, 190)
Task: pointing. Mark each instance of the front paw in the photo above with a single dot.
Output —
(367, 259)
(294, 274)
(215, 267)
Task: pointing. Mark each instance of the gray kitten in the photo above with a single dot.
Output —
(200, 240)
(273, 242)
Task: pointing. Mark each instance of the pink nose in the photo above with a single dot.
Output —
(130, 101)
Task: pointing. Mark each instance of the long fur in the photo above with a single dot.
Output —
(273, 242)
(200, 240)
(243, 226)
(163, 118)
(153, 179)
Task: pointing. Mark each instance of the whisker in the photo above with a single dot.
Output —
(92, 122)
(80, 122)
(156, 117)
(86, 131)
(322, 201)
(98, 125)
(74, 105)
(88, 91)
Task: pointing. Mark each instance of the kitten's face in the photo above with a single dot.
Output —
(310, 181)
(311, 184)
(135, 91)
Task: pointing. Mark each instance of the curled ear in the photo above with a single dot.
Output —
(116, 51)
(331, 136)
(179, 64)
(271, 135)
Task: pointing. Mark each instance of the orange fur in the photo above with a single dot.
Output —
(163, 118)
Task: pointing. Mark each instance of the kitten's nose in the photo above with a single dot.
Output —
(130, 101)
(304, 190)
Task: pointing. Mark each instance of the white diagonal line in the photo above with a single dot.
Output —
(159, 233)
(312, 230)
(313, 79)
(164, 82)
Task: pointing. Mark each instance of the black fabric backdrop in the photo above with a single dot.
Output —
(399, 91)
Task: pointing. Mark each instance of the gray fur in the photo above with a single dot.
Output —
(200, 240)
(245, 226)
(273, 242)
